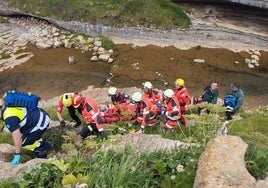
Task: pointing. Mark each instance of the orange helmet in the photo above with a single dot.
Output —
(77, 100)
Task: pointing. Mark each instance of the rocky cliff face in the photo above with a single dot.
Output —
(254, 3)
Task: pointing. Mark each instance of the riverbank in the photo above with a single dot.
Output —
(169, 52)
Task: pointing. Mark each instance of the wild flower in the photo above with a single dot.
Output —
(133, 169)
(180, 168)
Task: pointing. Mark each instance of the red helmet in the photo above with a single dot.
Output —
(77, 100)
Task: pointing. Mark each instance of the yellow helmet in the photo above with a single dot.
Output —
(179, 82)
(67, 99)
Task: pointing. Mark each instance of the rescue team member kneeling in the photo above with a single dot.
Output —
(27, 128)
(173, 112)
(91, 114)
(143, 110)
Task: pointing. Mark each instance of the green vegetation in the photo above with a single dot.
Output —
(3, 20)
(149, 13)
(198, 47)
(84, 162)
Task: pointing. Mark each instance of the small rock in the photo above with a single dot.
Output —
(247, 61)
(72, 59)
(256, 52)
(94, 58)
(134, 47)
(199, 60)
(42, 45)
(255, 57)
(110, 60)
(111, 51)
(251, 66)
(101, 50)
(254, 61)
(97, 43)
(57, 44)
(95, 48)
(104, 57)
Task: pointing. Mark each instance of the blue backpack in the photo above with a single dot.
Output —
(230, 101)
(21, 99)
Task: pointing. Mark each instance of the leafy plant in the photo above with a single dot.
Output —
(198, 47)
(108, 44)
(3, 20)
(41, 175)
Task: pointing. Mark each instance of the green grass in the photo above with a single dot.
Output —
(149, 13)
(157, 169)
(253, 130)
(3, 20)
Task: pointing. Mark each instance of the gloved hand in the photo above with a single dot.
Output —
(16, 160)
(62, 123)
(158, 104)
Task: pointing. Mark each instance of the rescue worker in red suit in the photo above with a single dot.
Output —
(143, 110)
(153, 96)
(91, 114)
(183, 97)
(117, 97)
(173, 112)
(66, 100)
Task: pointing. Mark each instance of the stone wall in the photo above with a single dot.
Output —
(252, 3)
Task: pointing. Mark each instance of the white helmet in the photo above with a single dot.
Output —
(169, 93)
(112, 91)
(148, 85)
(136, 97)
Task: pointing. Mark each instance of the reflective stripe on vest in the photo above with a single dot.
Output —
(42, 122)
(18, 112)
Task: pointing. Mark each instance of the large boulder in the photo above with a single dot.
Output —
(6, 152)
(222, 164)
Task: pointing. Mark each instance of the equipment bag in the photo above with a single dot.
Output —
(21, 99)
(230, 101)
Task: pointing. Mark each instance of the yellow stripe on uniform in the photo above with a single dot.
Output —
(31, 147)
(15, 111)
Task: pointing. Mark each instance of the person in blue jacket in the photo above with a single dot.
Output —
(234, 100)
(210, 93)
(27, 128)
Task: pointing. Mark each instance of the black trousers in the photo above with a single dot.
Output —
(229, 115)
(73, 115)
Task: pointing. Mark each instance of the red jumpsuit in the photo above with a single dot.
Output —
(91, 113)
(183, 98)
(173, 112)
(143, 110)
(155, 98)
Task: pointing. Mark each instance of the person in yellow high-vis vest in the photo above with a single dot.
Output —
(27, 128)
